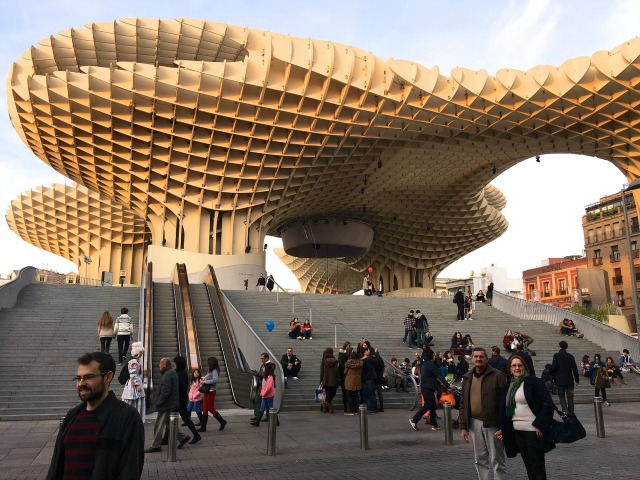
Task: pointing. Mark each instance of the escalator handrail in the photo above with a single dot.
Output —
(235, 354)
(192, 350)
(147, 332)
(225, 321)
(179, 311)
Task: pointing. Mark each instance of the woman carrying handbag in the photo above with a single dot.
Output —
(599, 378)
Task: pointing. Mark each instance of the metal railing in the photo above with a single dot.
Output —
(602, 334)
(177, 303)
(238, 369)
(9, 291)
(250, 344)
(146, 329)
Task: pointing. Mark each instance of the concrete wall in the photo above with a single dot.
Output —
(231, 270)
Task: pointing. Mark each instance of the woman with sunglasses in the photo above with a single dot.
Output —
(526, 415)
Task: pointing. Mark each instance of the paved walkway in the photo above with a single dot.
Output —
(314, 445)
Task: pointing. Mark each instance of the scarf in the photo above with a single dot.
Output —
(511, 395)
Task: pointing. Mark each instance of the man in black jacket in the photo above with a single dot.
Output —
(458, 299)
(430, 378)
(565, 371)
(183, 394)
(497, 361)
(290, 365)
(103, 437)
(168, 401)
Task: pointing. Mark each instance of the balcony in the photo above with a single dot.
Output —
(635, 253)
(546, 294)
(617, 280)
(615, 257)
(597, 261)
(563, 291)
(620, 302)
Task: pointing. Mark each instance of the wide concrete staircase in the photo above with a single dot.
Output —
(43, 335)
(380, 320)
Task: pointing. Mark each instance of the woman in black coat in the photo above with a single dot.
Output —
(526, 415)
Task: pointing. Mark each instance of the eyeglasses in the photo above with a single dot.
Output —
(88, 377)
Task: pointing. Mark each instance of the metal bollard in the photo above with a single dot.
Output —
(173, 436)
(364, 428)
(597, 405)
(448, 424)
(271, 432)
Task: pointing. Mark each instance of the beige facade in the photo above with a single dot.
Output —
(606, 246)
(72, 221)
(217, 135)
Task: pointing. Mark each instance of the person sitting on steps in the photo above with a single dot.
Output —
(295, 329)
(290, 365)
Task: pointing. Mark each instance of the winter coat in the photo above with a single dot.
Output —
(542, 406)
(168, 399)
(194, 393)
(119, 446)
(564, 369)
(123, 325)
(105, 332)
(130, 390)
(493, 390)
(353, 374)
(329, 372)
(268, 387)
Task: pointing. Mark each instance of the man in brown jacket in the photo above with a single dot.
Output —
(479, 416)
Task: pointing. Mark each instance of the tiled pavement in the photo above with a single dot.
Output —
(323, 446)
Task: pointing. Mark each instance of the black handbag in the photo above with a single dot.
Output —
(205, 388)
(569, 430)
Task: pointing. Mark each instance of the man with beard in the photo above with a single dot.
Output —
(103, 437)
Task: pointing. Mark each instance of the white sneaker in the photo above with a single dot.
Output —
(413, 424)
(607, 404)
(295, 378)
(310, 338)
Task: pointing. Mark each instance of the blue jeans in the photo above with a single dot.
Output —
(369, 395)
(410, 334)
(267, 402)
(194, 406)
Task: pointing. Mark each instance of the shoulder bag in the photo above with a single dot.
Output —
(569, 429)
(205, 388)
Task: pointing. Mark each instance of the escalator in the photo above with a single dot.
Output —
(209, 342)
(165, 332)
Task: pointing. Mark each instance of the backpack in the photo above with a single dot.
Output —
(124, 374)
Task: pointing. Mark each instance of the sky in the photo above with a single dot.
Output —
(545, 201)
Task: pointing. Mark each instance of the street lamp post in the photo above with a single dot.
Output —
(632, 269)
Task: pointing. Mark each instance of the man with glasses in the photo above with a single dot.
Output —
(479, 417)
(259, 374)
(103, 437)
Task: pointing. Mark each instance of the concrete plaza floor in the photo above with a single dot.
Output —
(324, 446)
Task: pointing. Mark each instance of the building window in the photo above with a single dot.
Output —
(563, 286)
(634, 249)
(615, 253)
(634, 225)
(617, 276)
(620, 298)
(597, 260)
(532, 287)
(547, 289)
